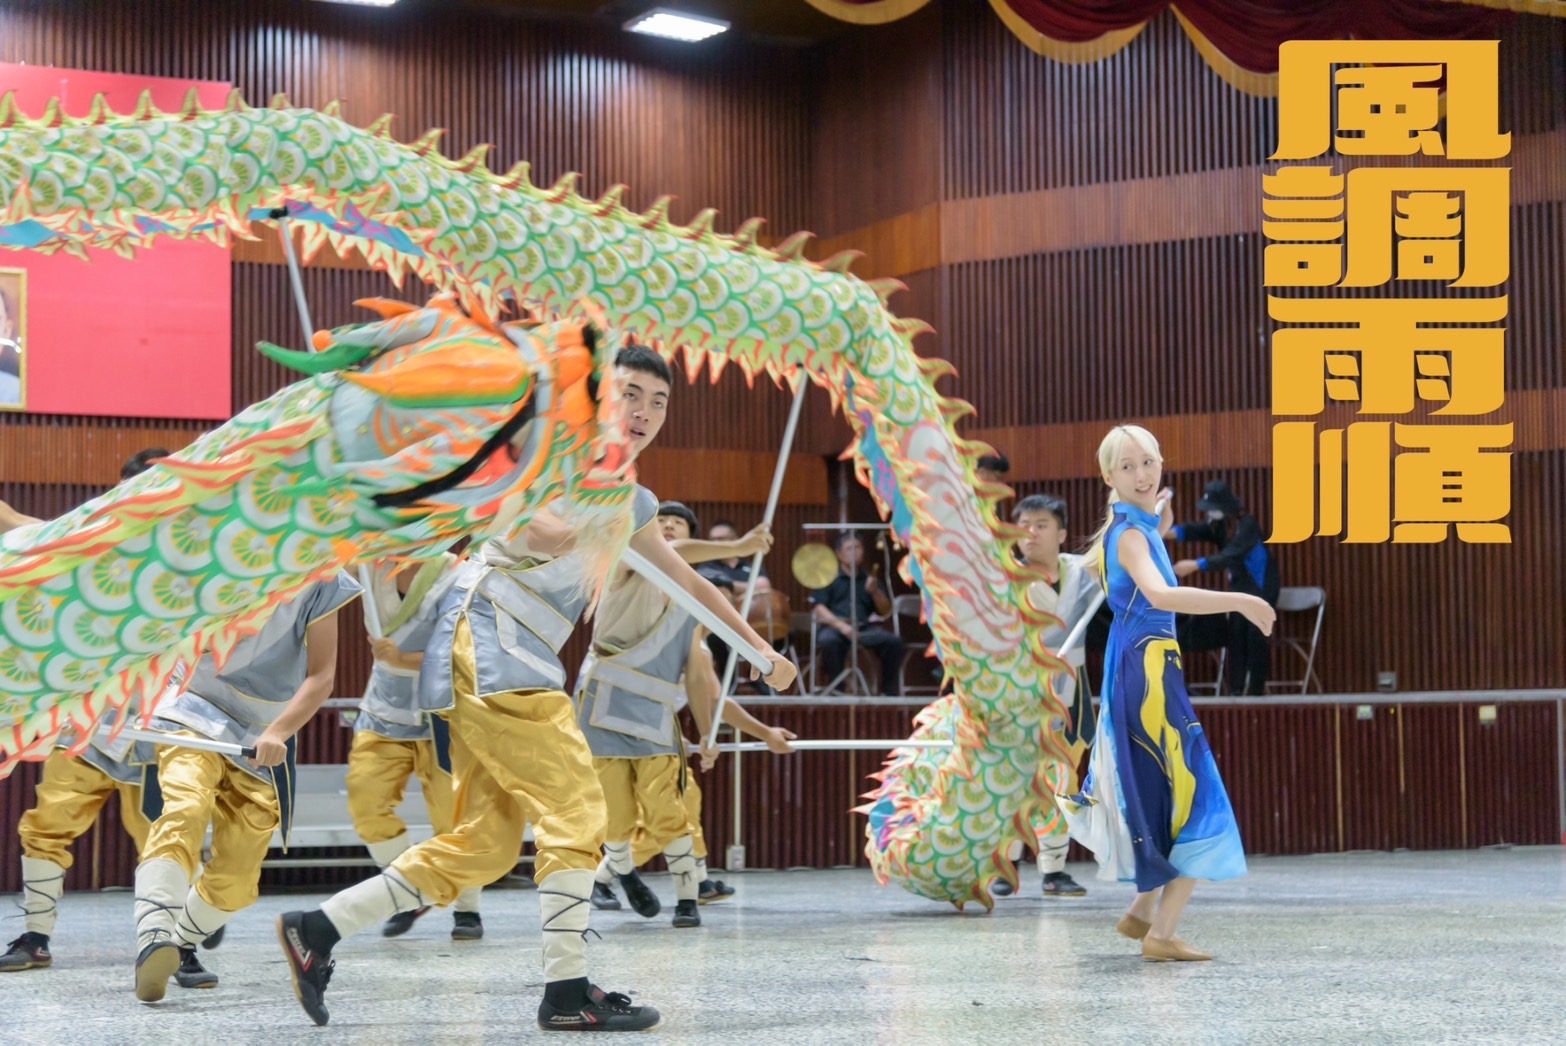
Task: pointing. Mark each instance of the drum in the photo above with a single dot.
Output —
(771, 615)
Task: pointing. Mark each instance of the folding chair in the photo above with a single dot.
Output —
(910, 605)
(1297, 601)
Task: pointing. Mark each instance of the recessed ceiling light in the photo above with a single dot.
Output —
(362, 3)
(675, 25)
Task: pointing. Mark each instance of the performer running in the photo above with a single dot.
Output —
(269, 687)
(70, 794)
(393, 739)
(647, 657)
(1153, 810)
(493, 669)
(1067, 590)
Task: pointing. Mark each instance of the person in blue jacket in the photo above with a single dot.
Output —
(1252, 569)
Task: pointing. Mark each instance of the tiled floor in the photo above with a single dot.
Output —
(1365, 948)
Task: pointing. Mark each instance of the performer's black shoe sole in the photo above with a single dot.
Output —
(157, 962)
(605, 1015)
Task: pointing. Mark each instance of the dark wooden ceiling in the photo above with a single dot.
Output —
(789, 22)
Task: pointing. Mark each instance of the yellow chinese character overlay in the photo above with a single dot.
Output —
(1388, 99)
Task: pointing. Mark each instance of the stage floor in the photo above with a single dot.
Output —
(1363, 948)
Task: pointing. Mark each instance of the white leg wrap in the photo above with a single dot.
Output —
(42, 884)
(619, 857)
(1052, 854)
(681, 856)
(385, 852)
(605, 874)
(701, 870)
(468, 900)
(198, 920)
(373, 901)
(563, 910)
(161, 887)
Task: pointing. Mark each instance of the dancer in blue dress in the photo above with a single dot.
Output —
(1153, 809)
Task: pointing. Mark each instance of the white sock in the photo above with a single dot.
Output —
(468, 900)
(605, 874)
(375, 900)
(386, 851)
(1052, 855)
(161, 886)
(42, 884)
(701, 870)
(198, 920)
(563, 910)
(681, 856)
(619, 857)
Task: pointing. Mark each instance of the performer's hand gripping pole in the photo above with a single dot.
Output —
(157, 737)
(778, 472)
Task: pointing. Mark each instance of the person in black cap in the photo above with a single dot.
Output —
(992, 468)
(1252, 569)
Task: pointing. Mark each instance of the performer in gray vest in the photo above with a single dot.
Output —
(647, 655)
(269, 687)
(394, 739)
(492, 669)
(1066, 591)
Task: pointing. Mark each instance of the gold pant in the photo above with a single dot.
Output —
(645, 790)
(378, 771)
(643, 845)
(201, 788)
(518, 758)
(70, 793)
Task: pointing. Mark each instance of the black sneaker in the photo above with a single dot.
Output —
(157, 962)
(685, 914)
(1059, 884)
(604, 899)
(310, 966)
(643, 901)
(713, 890)
(1001, 888)
(28, 952)
(402, 922)
(466, 926)
(603, 1011)
(213, 940)
(191, 974)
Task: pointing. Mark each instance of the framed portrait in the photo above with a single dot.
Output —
(13, 339)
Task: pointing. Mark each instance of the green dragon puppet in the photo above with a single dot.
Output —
(439, 423)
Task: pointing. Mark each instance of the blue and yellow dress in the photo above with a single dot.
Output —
(1153, 807)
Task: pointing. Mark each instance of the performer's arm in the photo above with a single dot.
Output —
(656, 550)
(701, 688)
(1137, 558)
(389, 653)
(320, 674)
(10, 519)
(549, 535)
(694, 550)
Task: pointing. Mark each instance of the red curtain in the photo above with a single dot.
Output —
(1245, 32)
(1248, 32)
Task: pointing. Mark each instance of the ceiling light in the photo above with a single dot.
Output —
(675, 25)
(362, 3)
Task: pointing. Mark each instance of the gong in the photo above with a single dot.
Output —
(814, 565)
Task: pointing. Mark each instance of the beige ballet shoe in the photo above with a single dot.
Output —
(1132, 927)
(1172, 949)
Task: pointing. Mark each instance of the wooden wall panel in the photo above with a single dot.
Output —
(877, 117)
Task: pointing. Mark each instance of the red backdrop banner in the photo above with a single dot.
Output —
(148, 338)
